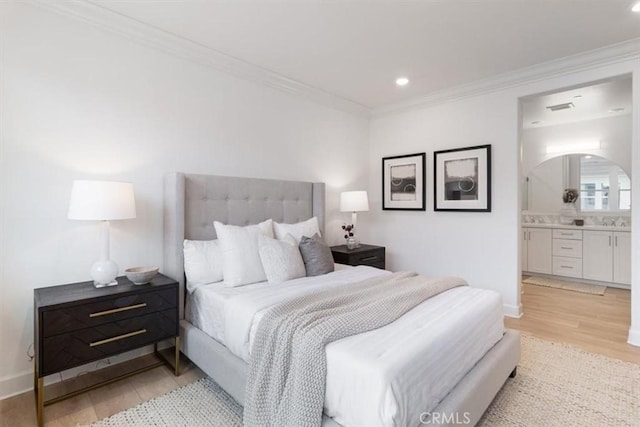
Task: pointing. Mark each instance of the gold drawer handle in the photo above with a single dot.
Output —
(119, 337)
(118, 310)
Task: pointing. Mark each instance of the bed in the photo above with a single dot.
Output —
(193, 202)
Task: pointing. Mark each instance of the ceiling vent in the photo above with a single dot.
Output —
(559, 107)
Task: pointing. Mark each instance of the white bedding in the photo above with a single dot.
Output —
(385, 377)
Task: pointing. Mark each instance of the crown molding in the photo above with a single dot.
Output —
(584, 61)
(172, 44)
(181, 47)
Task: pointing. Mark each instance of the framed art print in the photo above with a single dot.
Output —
(403, 182)
(462, 179)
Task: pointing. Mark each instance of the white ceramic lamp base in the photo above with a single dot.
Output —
(104, 273)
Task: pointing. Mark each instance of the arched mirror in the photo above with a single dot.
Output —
(603, 185)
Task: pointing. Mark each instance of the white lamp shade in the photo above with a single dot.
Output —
(102, 200)
(354, 201)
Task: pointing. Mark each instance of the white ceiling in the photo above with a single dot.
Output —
(356, 49)
(590, 102)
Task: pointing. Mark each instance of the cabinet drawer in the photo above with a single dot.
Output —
(567, 248)
(68, 319)
(567, 234)
(81, 346)
(569, 267)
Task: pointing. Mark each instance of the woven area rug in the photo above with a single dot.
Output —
(556, 385)
(559, 385)
(585, 288)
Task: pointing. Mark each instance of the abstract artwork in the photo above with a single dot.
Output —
(462, 179)
(403, 182)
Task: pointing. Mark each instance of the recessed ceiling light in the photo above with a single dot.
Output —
(636, 7)
(402, 81)
(617, 110)
(588, 157)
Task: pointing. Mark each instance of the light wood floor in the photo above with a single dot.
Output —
(598, 324)
(594, 323)
(19, 411)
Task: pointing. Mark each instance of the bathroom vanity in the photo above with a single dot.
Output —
(593, 252)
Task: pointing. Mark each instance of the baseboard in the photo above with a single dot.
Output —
(579, 280)
(514, 311)
(23, 382)
(16, 384)
(634, 337)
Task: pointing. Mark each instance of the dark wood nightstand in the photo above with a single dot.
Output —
(364, 255)
(77, 323)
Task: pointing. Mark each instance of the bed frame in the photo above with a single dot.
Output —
(193, 202)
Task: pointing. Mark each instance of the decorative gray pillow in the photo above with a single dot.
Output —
(316, 255)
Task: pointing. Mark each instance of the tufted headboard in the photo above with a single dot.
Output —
(193, 202)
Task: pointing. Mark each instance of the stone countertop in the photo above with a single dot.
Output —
(578, 227)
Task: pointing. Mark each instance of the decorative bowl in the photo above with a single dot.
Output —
(141, 275)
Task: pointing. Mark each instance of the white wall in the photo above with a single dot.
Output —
(77, 102)
(482, 247)
(614, 134)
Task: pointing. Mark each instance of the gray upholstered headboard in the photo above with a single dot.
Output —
(193, 202)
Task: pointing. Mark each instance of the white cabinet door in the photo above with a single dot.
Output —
(622, 258)
(539, 250)
(524, 246)
(597, 255)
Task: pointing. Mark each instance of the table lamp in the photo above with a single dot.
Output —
(102, 201)
(354, 202)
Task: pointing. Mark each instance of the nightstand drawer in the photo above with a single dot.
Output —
(81, 346)
(72, 318)
(370, 255)
(374, 259)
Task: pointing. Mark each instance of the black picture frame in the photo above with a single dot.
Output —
(448, 197)
(402, 198)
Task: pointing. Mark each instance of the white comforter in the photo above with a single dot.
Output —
(385, 377)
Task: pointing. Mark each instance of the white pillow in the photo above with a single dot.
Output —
(240, 256)
(281, 259)
(305, 228)
(202, 262)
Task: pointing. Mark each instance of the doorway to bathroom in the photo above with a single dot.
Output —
(576, 215)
